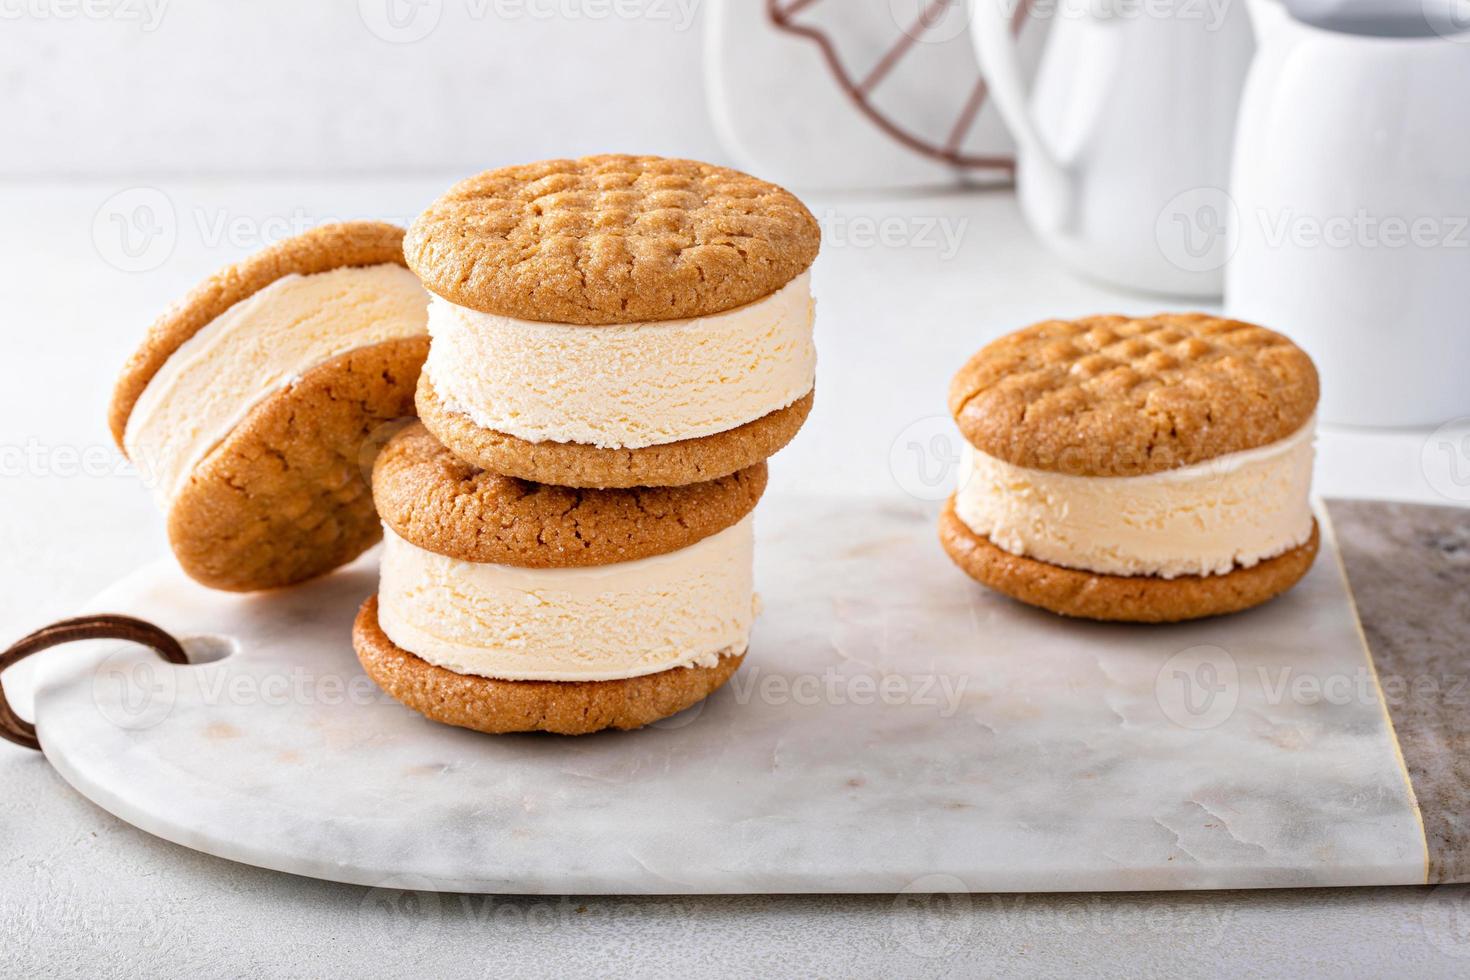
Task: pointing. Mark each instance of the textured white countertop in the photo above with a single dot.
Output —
(906, 289)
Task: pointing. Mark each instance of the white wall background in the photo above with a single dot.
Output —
(304, 87)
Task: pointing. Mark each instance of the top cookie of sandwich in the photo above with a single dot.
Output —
(322, 249)
(435, 500)
(1117, 396)
(611, 239)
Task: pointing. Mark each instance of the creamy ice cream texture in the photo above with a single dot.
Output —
(257, 347)
(1206, 519)
(606, 622)
(624, 386)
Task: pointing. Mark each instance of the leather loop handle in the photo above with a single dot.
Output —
(16, 729)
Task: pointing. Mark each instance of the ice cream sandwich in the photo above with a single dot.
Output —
(510, 606)
(1147, 470)
(616, 321)
(248, 404)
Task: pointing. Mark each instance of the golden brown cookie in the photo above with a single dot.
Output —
(336, 246)
(285, 496)
(611, 239)
(1121, 598)
(282, 494)
(495, 706)
(572, 464)
(1115, 396)
(441, 503)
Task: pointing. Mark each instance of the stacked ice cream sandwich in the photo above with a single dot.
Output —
(617, 344)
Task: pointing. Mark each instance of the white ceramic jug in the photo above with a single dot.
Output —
(1124, 145)
(1351, 233)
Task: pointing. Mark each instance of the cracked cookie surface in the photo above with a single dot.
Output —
(611, 239)
(441, 503)
(485, 704)
(1118, 396)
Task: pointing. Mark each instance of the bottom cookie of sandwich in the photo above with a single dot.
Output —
(486, 704)
(1120, 598)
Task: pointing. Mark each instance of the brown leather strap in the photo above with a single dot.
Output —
(16, 729)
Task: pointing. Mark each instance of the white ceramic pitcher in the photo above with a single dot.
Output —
(1124, 144)
(1351, 189)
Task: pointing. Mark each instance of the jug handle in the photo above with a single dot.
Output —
(999, 57)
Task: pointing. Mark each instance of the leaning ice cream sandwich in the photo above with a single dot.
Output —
(1146, 470)
(249, 402)
(508, 606)
(616, 321)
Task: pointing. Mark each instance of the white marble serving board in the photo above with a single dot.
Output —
(895, 727)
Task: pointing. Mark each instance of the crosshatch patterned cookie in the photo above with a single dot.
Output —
(1114, 396)
(249, 402)
(510, 606)
(1150, 470)
(611, 239)
(616, 321)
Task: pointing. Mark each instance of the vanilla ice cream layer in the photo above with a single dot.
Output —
(1207, 519)
(607, 622)
(624, 386)
(261, 345)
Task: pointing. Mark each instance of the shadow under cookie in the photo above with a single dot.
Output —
(571, 464)
(1120, 598)
(485, 704)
